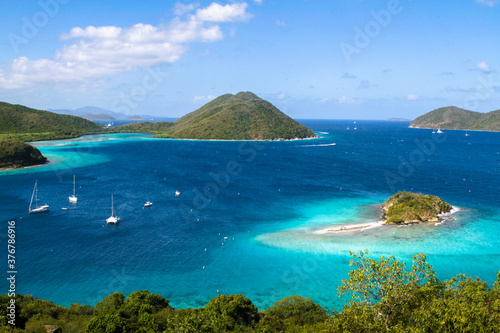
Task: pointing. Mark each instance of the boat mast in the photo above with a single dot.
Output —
(112, 212)
(31, 201)
(74, 185)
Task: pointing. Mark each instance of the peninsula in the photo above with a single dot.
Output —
(243, 116)
(455, 118)
(17, 154)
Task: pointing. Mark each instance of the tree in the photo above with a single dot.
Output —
(388, 288)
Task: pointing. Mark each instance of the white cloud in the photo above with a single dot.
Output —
(94, 52)
(181, 9)
(412, 97)
(349, 100)
(483, 67)
(227, 13)
(280, 23)
(281, 95)
(258, 2)
(489, 3)
(198, 99)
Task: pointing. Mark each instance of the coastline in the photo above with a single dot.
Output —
(26, 167)
(376, 224)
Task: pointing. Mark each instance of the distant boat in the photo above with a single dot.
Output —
(41, 209)
(177, 193)
(73, 198)
(433, 131)
(348, 127)
(467, 134)
(148, 204)
(439, 131)
(112, 219)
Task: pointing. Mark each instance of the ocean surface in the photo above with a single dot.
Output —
(245, 218)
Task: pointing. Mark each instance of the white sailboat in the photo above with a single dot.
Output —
(439, 131)
(41, 209)
(112, 219)
(73, 198)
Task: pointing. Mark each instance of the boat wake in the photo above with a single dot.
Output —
(320, 145)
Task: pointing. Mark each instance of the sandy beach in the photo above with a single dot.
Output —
(350, 227)
(375, 224)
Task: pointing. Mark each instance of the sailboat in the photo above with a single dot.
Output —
(73, 198)
(112, 219)
(41, 209)
(439, 131)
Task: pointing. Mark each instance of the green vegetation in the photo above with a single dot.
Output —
(407, 207)
(17, 154)
(237, 117)
(26, 124)
(158, 127)
(384, 296)
(455, 118)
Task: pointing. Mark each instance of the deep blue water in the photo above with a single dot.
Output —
(267, 198)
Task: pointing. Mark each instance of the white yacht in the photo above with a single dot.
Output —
(37, 209)
(148, 204)
(73, 198)
(112, 219)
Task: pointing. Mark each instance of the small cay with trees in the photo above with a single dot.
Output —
(383, 295)
(407, 207)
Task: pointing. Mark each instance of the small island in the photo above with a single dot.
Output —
(17, 154)
(402, 208)
(407, 207)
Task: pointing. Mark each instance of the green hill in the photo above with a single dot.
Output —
(26, 124)
(237, 117)
(407, 207)
(142, 127)
(455, 118)
(17, 154)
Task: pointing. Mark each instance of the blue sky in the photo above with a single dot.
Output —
(337, 59)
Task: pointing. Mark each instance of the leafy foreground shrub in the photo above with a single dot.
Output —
(385, 296)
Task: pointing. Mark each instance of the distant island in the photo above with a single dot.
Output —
(17, 154)
(398, 119)
(407, 207)
(455, 118)
(243, 116)
(135, 118)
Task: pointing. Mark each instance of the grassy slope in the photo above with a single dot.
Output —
(237, 117)
(142, 127)
(26, 124)
(456, 118)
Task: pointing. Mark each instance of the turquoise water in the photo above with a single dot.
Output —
(267, 198)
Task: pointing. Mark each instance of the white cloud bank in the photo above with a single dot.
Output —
(100, 51)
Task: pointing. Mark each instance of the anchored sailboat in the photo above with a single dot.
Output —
(112, 219)
(73, 198)
(41, 209)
